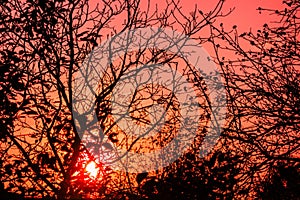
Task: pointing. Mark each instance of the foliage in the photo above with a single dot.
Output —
(42, 47)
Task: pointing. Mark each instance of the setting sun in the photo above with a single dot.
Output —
(92, 169)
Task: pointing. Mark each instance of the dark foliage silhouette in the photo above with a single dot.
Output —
(42, 47)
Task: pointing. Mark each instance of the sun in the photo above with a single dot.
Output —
(92, 169)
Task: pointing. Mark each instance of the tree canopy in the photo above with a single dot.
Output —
(43, 48)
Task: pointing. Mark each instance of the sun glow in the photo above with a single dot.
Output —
(92, 169)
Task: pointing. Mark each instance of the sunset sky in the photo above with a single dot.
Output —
(245, 14)
(91, 110)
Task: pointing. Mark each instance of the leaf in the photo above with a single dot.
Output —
(141, 177)
(243, 34)
(8, 169)
(18, 162)
(112, 137)
(58, 127)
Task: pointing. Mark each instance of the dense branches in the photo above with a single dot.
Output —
(263, 89)
(42, 47)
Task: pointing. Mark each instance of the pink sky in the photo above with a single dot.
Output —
(245, 14)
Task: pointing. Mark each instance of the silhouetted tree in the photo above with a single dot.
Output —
(282, 183)
(262, 81)
(43, 45)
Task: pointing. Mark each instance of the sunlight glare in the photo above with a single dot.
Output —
(92, 169)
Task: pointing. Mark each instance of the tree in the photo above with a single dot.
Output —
(43, 44)
(43, 50)
(262, 83)
(283, 183)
